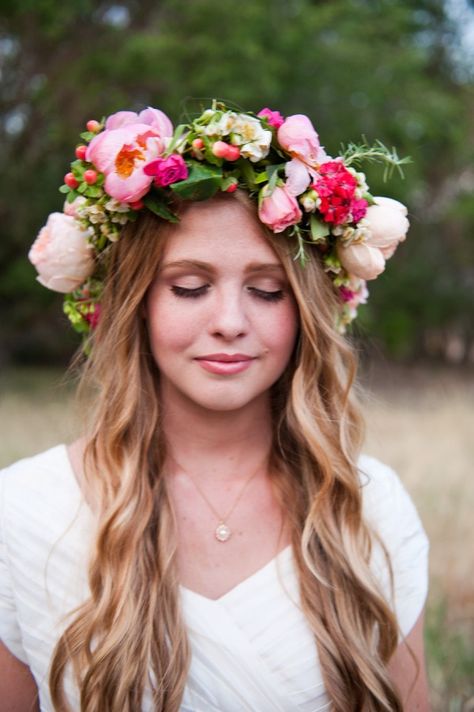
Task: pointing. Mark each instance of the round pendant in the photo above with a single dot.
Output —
(222, 532)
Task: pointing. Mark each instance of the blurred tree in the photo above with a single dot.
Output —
(376, 67)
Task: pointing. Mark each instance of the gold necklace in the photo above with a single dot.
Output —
(223, 532)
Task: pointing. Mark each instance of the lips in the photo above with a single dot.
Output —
(225, 364)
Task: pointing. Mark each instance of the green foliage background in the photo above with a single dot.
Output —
(389, 69)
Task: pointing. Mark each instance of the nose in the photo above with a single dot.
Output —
(228, 319)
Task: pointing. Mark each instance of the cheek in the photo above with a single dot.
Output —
(281, 331)
(170, 328)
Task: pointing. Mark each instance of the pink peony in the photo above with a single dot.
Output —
(63, 257)
(121, 153)
(167, 170)
(297, 136)
(279, 210)
(152, 117)
(274, 118)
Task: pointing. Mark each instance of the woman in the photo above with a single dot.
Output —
(214, 541)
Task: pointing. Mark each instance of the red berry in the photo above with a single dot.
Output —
(219, 149)
(90, 176)
(71, 181)
(233, 153)
(137, 205)
(197, 144)
(81, 152)
(232, 187)
(93, 126)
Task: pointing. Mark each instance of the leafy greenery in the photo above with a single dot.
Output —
(358, 68)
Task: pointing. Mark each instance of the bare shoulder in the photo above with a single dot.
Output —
(18, 690)
(408, 670)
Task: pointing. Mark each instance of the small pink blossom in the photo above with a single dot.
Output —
(62, 254)
(167, 170)
(279, 210)
(274, 118)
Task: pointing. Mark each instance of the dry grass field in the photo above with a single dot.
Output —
(420, 421)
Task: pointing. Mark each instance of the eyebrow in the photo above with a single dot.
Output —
(252, 268)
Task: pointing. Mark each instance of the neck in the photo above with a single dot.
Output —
(217, 444)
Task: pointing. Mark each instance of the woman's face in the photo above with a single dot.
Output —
(221, 317)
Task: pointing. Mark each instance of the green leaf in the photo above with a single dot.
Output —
(73, 194)
(176, 137)
(319, 230)
(160, 208)
(93, 192)
(261, 177)
(82, 188)
(87, 135)
(202, 182)
(248, 173)
(64, 189)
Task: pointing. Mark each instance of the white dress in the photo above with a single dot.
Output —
(251, 648)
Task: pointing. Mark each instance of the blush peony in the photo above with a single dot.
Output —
(386, 225)
(61, 254)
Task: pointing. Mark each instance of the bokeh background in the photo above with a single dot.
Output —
(396, 70)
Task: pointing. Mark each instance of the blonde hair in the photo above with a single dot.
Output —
(130, 634)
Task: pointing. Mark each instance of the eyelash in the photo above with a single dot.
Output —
(187, 293)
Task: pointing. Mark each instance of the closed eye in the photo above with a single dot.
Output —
(189, 293)
(274, 296)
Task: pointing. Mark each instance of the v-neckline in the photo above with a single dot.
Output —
(283, 554)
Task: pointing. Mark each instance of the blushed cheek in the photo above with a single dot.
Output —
(167, 329)
(283, 333)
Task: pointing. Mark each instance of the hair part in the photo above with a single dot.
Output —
(130, 634)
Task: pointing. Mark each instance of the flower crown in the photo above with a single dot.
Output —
(131, 162)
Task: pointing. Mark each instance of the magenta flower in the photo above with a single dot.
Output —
(274, 118)
(167, 170)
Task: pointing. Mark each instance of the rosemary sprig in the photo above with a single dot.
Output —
(357, 153)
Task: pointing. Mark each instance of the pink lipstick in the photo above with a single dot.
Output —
(225, 364)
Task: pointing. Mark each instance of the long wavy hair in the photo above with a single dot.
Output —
(130, 634)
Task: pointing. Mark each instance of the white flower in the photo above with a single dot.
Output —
(62, 254)
(115, 206)
(222, 126)
(76, 207)
(253, 139)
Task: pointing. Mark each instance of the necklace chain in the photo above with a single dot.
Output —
(223, 531)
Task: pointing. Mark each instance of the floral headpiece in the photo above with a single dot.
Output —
(131, 162)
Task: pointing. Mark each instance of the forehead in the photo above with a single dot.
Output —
(219, 232)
